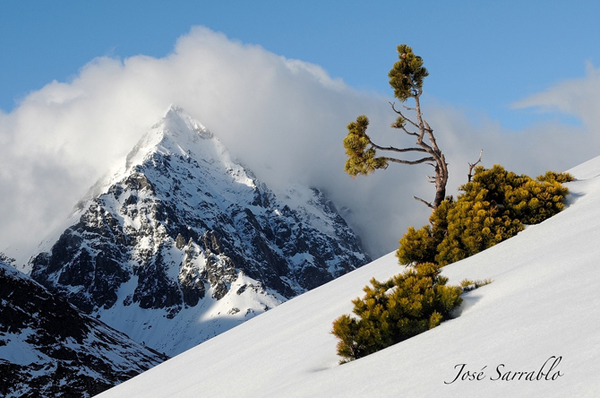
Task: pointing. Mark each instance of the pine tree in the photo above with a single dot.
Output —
(406, 78)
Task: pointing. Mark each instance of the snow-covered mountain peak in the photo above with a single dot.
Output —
(184, 241)
(178, 121)
(177, 133)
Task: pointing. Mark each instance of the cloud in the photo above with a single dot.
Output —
(578, 98)
(285, 119)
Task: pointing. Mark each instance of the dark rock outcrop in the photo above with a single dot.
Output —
(48, 348)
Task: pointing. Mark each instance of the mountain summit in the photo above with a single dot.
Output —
(184, 242)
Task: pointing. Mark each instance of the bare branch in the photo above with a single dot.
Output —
(472, 166)
(424, 201)
(401, 114)
(427, 127)
(394, 149)
(403, 128)
(402, 161)
(409, 132)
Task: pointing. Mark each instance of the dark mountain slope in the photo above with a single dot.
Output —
(48, 348)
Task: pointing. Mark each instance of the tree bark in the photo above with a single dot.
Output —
(436, 156)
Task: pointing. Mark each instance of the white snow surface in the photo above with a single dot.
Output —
(543, 307)
(192, 324)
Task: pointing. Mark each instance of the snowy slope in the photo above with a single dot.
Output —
(543, 307)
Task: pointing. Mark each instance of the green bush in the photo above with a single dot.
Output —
(494, 206)
(395, 310)
(418, 246)
(554, 176)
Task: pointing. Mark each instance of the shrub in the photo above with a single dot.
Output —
(395, 310)
(554, 176)
(417, 246)
(494, 206)
(468, 285)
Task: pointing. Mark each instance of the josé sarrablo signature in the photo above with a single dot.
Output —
(548, 371)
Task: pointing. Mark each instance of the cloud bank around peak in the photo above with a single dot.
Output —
(285, 119)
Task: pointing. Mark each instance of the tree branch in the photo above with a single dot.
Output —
(403, 128)
(424, 201)
(394, 149)
(402, 161)
(401, 114)
(427, 127)
(472, 166)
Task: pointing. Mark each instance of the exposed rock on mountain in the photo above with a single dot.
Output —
(184, 242)
(48, 348)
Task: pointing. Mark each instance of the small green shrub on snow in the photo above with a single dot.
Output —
(395, 310)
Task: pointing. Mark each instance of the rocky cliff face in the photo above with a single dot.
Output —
(48, 348)
(184, 242)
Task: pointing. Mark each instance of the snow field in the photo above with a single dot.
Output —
(532, 332)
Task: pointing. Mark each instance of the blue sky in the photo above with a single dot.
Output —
(484, 55)
(277, 82)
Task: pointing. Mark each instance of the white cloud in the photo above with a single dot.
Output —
(575, 97)
(284, 118)
(569, 143)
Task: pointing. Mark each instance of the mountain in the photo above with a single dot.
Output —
(48, 348)
(539, 317)
(183, 242)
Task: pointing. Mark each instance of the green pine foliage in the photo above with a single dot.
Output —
(554, 176)
(421, 245)
(493, 207)
(418, 246)
(406, 77)
(468, 285)
(361, 161)
(395, 310)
